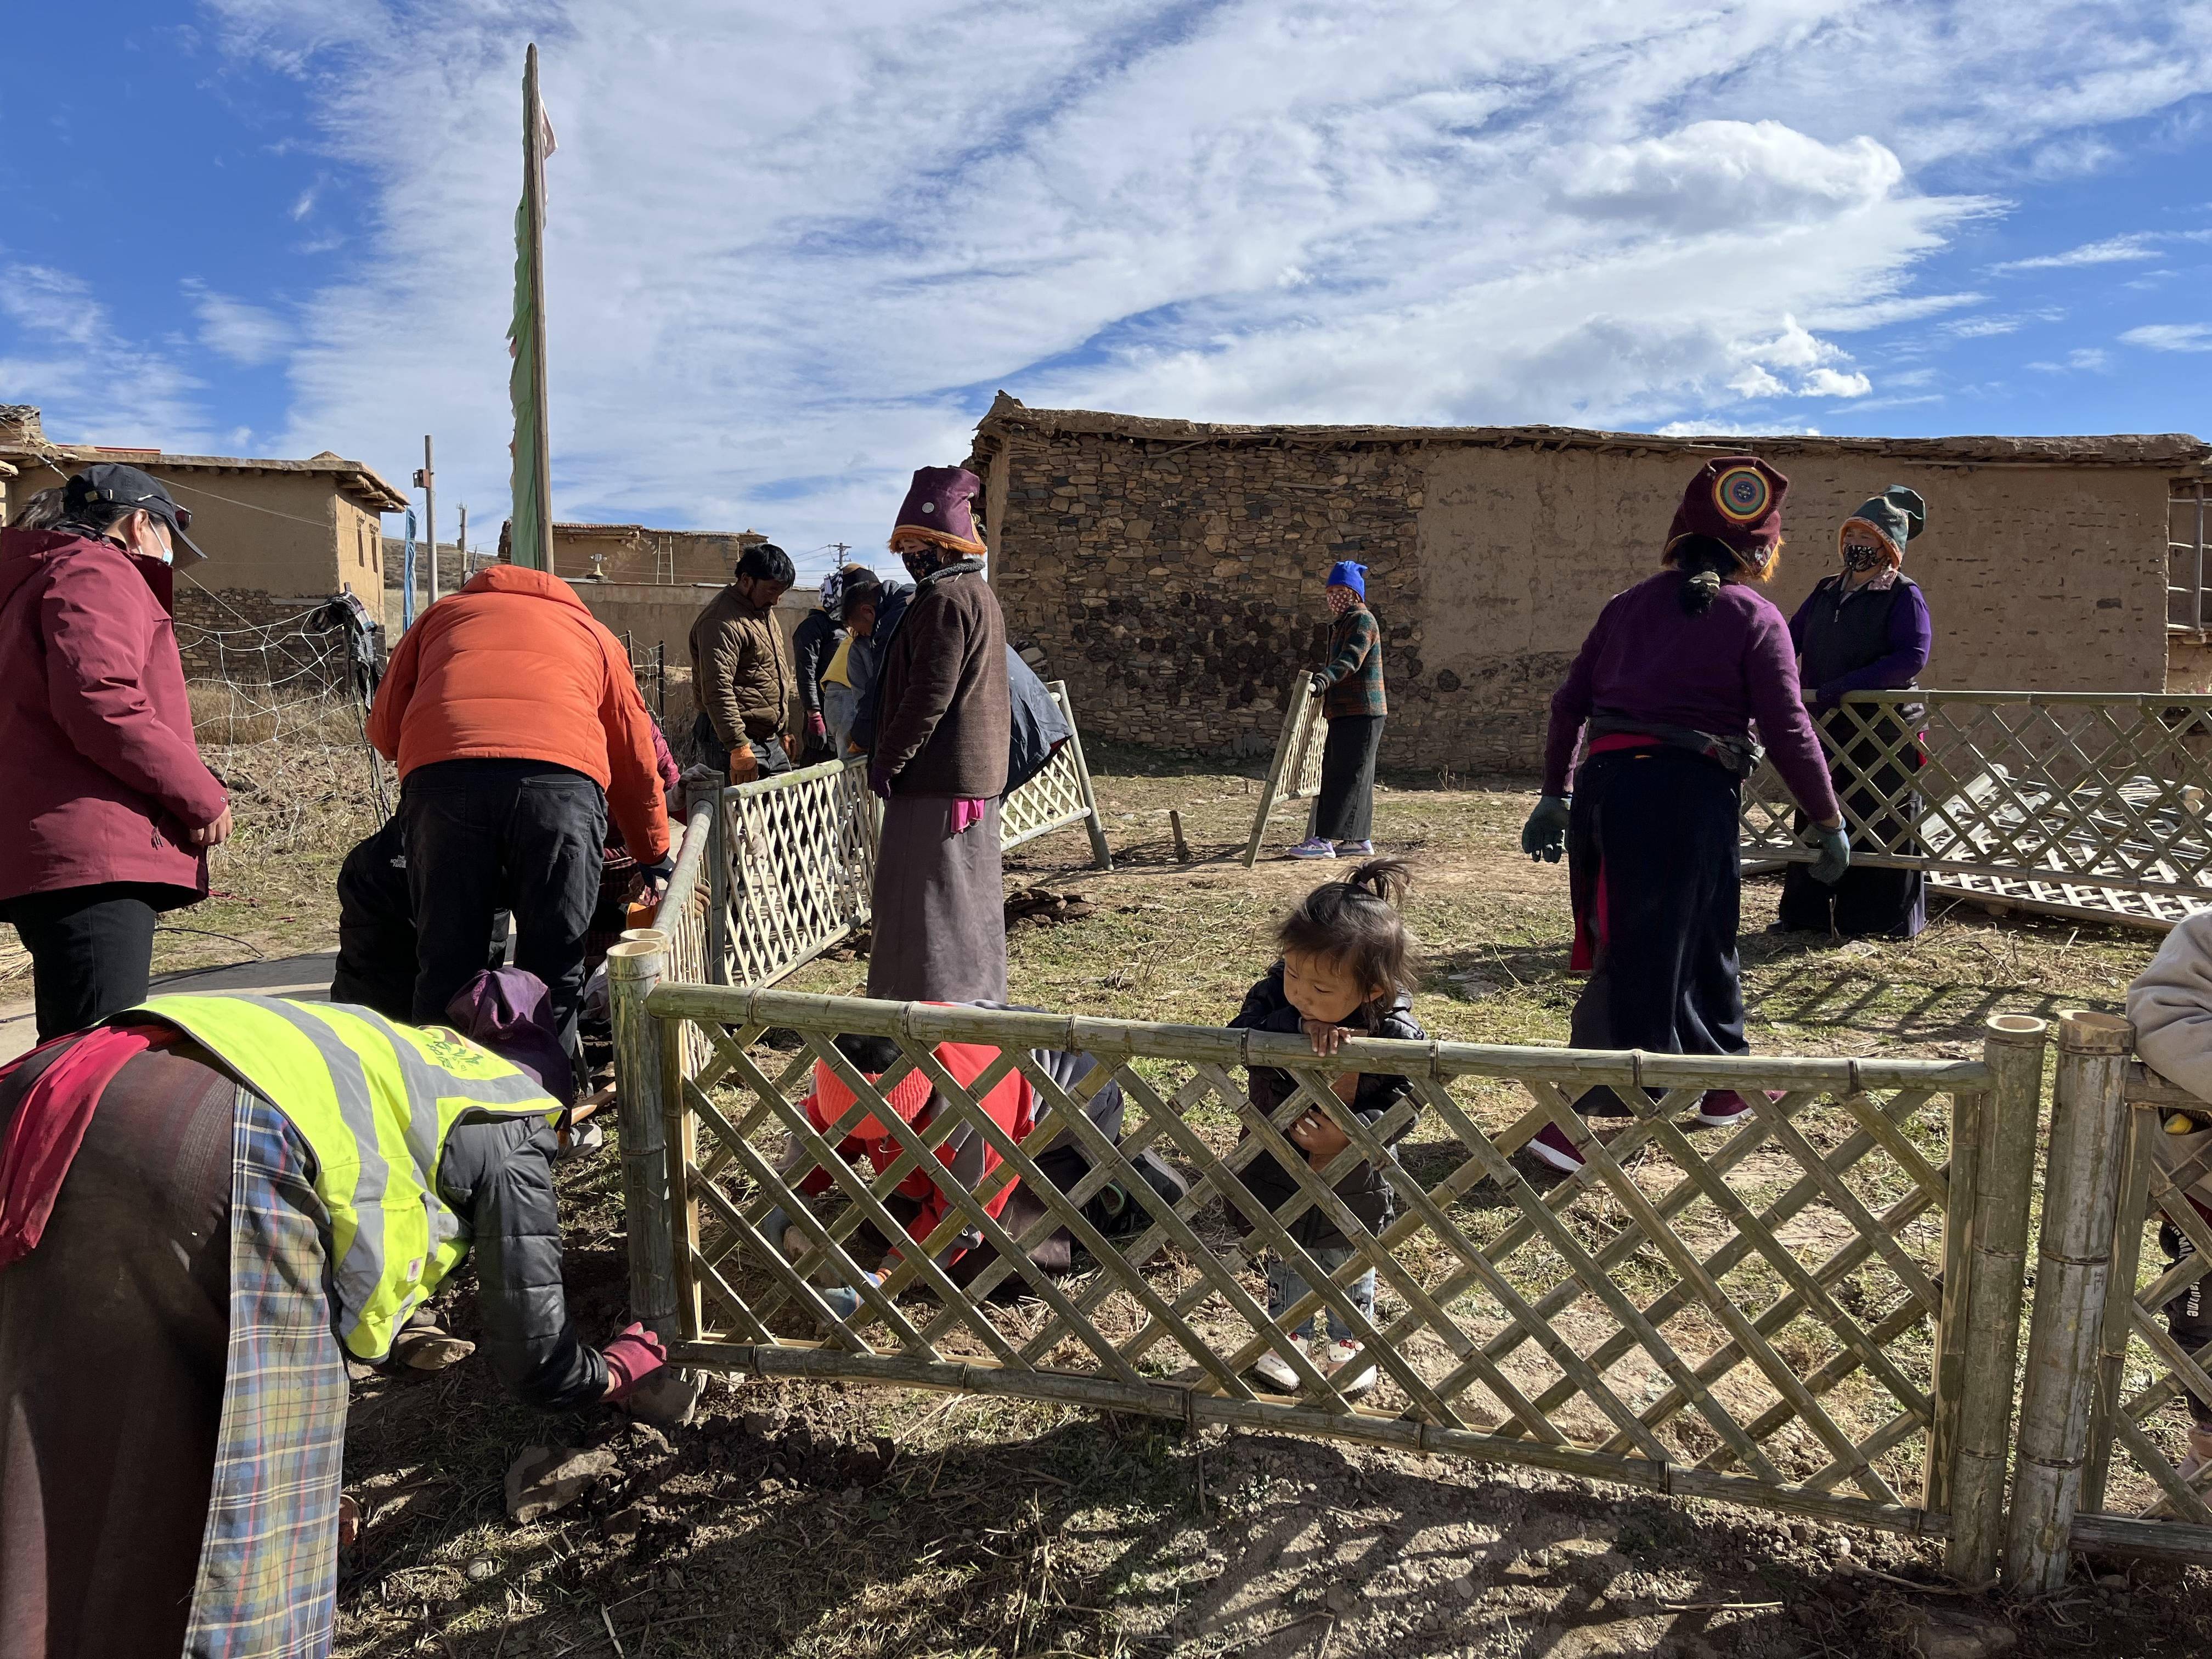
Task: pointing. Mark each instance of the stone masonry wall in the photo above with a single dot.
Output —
(245, 637)
(1177, 594)
(1172, 574)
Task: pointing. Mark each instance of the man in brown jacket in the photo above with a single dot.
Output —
(942, 727)
(741, 671)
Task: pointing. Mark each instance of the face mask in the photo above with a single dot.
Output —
(1340, 599)
(918, 565)
(1860, 556)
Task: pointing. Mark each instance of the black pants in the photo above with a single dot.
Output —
(769, 751)
(2189, 1315)
(490, 835)
(1886, 903)
(1345, 809)
(1651, 847)
(91, 949)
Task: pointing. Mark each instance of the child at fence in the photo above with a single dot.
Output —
(2170, 1004)
(1346, 969)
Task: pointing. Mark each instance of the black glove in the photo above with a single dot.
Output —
(1835, 858)
(1545, 836)
(658, 876)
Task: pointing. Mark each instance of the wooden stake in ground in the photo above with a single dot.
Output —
(1183, 847)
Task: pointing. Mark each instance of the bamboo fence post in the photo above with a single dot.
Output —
(1101, 857)
(2117, 1324)
(642, 1064)
(1285, 742)
(2081, 1192)
(1992, 1180)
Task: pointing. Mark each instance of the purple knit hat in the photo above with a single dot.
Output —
(940, 507)
(510, 1011)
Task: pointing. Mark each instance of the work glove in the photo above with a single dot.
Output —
(816, 727)
(1545, 836)
(1835, 858)
(632, 1358)
(659, 874)
(880, 782)
(745, 765)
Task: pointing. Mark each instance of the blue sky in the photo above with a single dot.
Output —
(795, 250)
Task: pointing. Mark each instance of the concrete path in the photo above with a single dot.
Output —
(306, 977)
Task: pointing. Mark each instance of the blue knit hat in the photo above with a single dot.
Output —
(1345, 573)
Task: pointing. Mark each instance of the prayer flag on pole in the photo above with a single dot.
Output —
(407, 577)
(532, 535)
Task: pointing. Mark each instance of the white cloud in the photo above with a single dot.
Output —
(2081, 359)
(93, 385)
(1264, 210)
(2112, 251)
(2171, 337)
(245, 333)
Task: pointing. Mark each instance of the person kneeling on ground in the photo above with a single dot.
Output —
(1346, 969)
(2170, 1004)
(921, 1203)
(206, 1206)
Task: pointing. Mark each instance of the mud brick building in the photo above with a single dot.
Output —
(281, 537)
(1170, 571)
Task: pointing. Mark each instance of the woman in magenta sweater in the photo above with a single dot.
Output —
(1668, 686)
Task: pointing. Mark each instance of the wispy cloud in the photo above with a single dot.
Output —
(2171, 337)
(2112, 251)
(247, 334)
(2081, 359)
(92, 384)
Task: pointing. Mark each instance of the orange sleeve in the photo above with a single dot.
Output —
(394, 693)
(634, 800)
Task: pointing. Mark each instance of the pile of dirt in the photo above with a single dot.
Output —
(1042, 908)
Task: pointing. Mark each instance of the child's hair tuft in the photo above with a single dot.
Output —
(1353, 923)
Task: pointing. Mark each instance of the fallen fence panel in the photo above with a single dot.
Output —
(2084, 804)
(1294, 773)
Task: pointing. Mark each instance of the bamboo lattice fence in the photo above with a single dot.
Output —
(2085, 804)
(1813, 1312)
(785, 867)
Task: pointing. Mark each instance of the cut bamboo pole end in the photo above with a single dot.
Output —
(641, 1070)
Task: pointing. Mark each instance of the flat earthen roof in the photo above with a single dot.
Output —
(353, 478)
(2166, 451)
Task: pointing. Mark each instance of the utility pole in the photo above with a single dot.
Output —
(843, 548)
(464, 544)
(425, 480)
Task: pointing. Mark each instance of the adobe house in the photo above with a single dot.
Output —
(281, 537)
(1171, 570)
(636, 553)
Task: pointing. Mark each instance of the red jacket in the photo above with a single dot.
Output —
(514, 667)
(100, 778)
(966, 1155)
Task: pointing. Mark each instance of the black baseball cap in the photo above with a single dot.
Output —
(127, 486)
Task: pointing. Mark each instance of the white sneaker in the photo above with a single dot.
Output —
(1346, 1365)
(1275, 1371)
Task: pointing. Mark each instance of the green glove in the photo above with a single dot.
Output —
(1835, 858)
(1545, 836)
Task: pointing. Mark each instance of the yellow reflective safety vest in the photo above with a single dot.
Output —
(374, 1101)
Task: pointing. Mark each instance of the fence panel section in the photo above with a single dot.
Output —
(2137, 1468)
(1060, 796)
(1750, 1312)
(2084, 803)
(1294, 773)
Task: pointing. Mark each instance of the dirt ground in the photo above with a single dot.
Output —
(826, 1520)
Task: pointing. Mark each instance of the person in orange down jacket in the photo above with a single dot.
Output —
(517, 727)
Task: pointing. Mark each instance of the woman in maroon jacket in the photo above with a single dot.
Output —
(107, 810)
(1668, 685)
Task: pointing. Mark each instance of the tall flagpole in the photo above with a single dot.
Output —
(534, 196)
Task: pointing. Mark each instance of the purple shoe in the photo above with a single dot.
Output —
(1314, 847)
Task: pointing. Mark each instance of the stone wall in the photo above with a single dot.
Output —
(1171, 571)
(245, 637)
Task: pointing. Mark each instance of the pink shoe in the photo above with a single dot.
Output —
(1550, 1146)
(1722, 1107)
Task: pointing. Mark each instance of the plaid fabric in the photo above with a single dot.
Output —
(267, 1576)
(1354, 669)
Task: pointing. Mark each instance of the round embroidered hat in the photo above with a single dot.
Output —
(1737, 500)
(941, 508)
(833, 1099)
